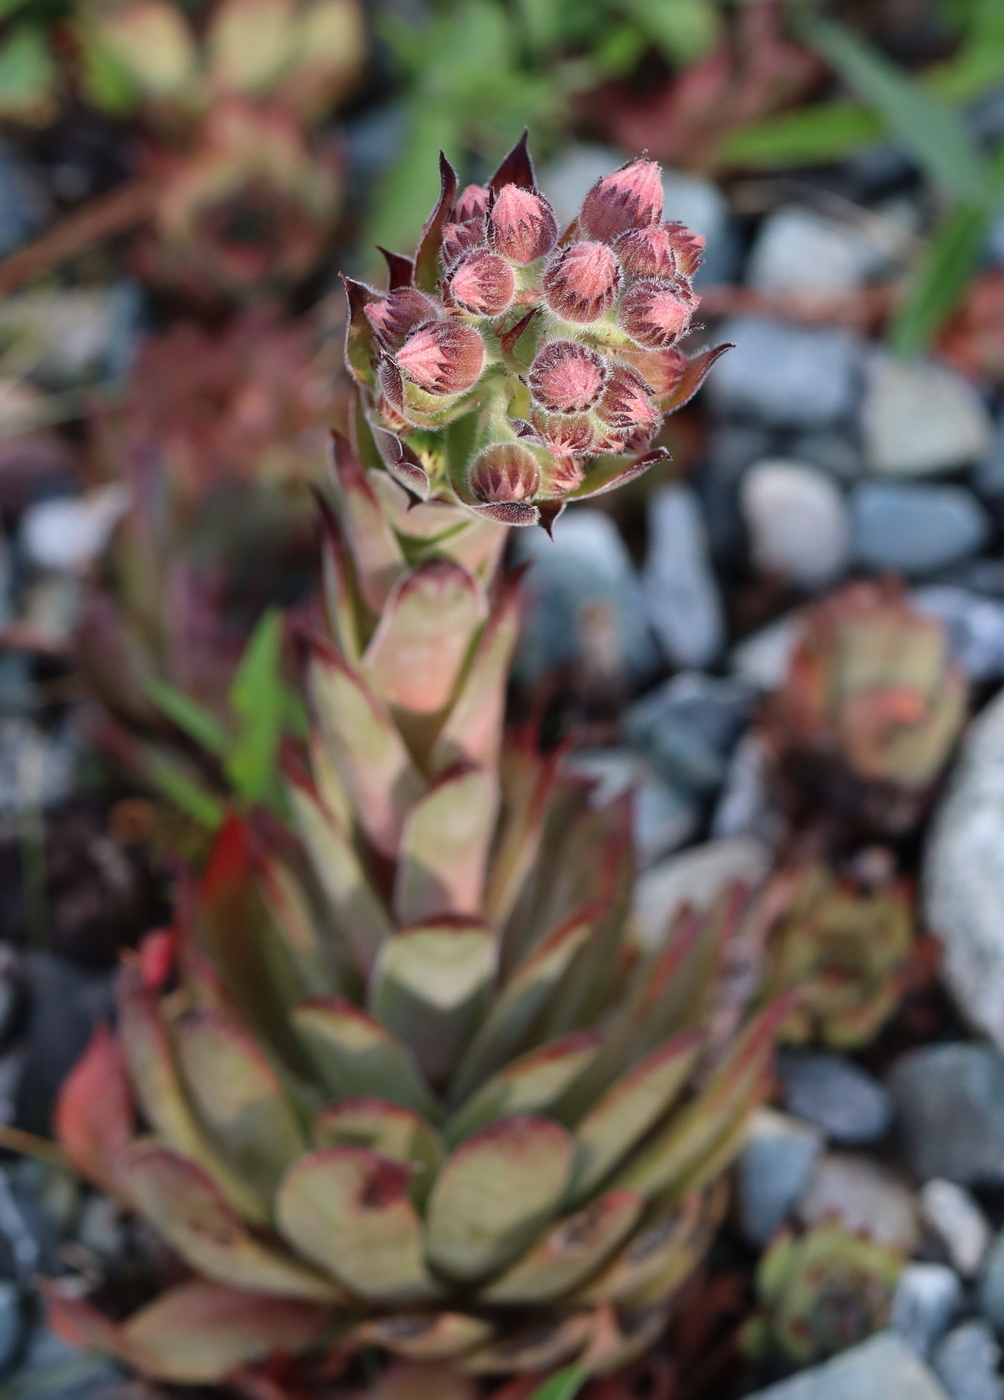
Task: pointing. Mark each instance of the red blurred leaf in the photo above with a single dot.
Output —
(94, 1114)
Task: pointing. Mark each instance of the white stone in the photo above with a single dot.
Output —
(693, 877)
(772, 1171)
(70, 533)
(883, 1368)
(797, 522)
(927, 1297)
(864, 1197)
(800, 250)
(681, 592)
(747, 806)
(963, 876)
(952, 1213)
(762, 660)
(920, 417)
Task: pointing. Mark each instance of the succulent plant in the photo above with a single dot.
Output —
(515, 367)
(844, 947)
(405, 1080)
(870, 710)
(820, 1293)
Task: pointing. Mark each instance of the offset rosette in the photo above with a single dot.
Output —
(519, 368)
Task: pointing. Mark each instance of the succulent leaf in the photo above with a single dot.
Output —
(386, 1128)
(530, 1084)
(426, 1336)
(444, 846)
(358, 1056)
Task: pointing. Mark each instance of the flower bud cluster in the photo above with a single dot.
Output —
(573, 339)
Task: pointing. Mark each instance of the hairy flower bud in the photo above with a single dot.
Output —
(626, 406)
(565, 435)
(504, 472)
(647, 252)
(580, 283)
(521, 225)
(661, 370)
(654, 314)
(443, 357)
(567, 377)
(629, 198)
(483, 283)
(689, 247)
(397, 316)
(461, 238)
(472, 204)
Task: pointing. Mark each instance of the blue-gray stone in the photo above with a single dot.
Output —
(948, 1102)
(913, 529)
(927, 1297)
(22, 203)
(773, 1172)
(850, 1105)
(991, 1285)
(688, 727)
(967, 1361)
(883, 1368)
(680, 588)
(975, 626)
(988, 476)
(790, 376)
(578, 580)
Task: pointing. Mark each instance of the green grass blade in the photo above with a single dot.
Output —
(563, 1385)
(197, 722)
(941, 279)
(197, 802)
(258, 698)
(932, 132)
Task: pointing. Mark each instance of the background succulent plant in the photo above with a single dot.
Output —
(408, 1075)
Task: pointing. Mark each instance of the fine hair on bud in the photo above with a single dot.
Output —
(471, 204)
(580, 283)
(394, 318)
(563, 434)
(647, 252)
(505, 471)
(629, 198)
(655, 314)
(566, 377)
(626, 403)
(483, 283)
(521, 225)
(443, 357)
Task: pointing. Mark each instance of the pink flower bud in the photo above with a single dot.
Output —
(394, 318)
(563, 474)
(567, 378)
(580, 283)
(483, 283)
(629, 198)
(661, 370)
(565, 435)
(443, 357)
(472, 204)
(655, 313)
(689, 247)
(504, 472)
(461, 238)
(647, 252)
(521, 225)
(627, 402)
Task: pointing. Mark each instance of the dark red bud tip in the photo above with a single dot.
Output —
(661, 370)
(483, 283)
(564, 435)
(581, 282)
(647, 252)
(689, 247)
(443, 357)
(654, 314)
(394, 318)
(521, 225)
(626, 401)
(629, 198)
(567, 378)
(504, 472)
(461, 238)
(472, 204)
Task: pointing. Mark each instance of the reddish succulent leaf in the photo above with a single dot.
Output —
(427, 256)
(401, 462)
(617, 473)
(156, 955)
(444, 846)
(94, 1114)
(400, 270)
(375, 550)
(516, 168)
(695, 371)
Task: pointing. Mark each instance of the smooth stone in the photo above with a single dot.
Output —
(37, 766)
(882, 1368)
(838, 1096)
(80, 1375)
(696, 877)
(864, 1197)
(975, 626)
(790, 376)
(991, 1285)
(680, 589)
(963, 879)
(584, 574)
(65, 1002)
(954, 1216)
(797, 522)
(688, 727)
(102, 1228)
(799, 250)
(919, 417)
(664, 817)
(72, 533)
(747, 806)
(948, 1101)
(773, 1171)
(913, 529)
(988, 475)
(967, 1360)
(832, 453)
(926, 1299)
(732, 447)
(761, 660)
(23, 204)
(11, 1322)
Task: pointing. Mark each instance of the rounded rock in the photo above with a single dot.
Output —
(797, 522)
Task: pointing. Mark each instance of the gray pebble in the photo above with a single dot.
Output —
(850, 1105)
(914, 529)
(948, 1101)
